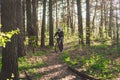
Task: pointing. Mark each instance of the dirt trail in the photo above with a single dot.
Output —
(56, 69)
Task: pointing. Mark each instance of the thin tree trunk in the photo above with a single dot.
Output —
(80, 25)
(51, 43)
(72, 18)
(30, 28)
(19, 20)
(34, 19)
(56, 14)
(24, 8)
(117, 27)
(9, 53)
(110, 20)
(93, 20)
(68, 15)
(105, 19)
(101, 21)
(87, 23)
(43, 25)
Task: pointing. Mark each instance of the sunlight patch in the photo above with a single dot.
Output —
(69, 77)
(44, 69)
(51, 75)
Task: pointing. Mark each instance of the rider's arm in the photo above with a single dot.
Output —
(55, 34)
(62, 34)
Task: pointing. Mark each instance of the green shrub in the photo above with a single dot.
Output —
(6, 37)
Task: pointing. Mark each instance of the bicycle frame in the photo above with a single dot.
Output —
(58, 45)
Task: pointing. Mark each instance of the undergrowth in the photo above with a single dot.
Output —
(100, 61)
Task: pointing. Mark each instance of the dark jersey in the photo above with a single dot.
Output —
(59, 34)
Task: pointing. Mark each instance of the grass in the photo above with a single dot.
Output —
(28, 63)
(32, 63)
(101, 61)
(39, 53)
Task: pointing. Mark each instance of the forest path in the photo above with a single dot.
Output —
(56, 69)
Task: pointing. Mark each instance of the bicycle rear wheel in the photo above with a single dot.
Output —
(57, 49)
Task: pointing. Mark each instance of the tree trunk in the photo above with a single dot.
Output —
(34, 19)
(101, 21)
(19, 21)
(24, 9)
(43, 25)
(30, 28)
(105, 19)
(117, 27)
(80, 25)
(68, 15)
(87, 23)
(93, 20)
(72, 18)
(51, 43)
(9, 53)
(56, 14)
(110, 20)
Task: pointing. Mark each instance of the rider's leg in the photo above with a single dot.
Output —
(60, 43)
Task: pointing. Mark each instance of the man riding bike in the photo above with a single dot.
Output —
(60, 35)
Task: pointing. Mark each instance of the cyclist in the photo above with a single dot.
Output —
(60, 35)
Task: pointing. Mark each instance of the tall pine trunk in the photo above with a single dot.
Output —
(57, 14)
(93, 20)
(34, 19)
(51, 43)
(117, 27)
(72, 18)
(87, 23)
(19, 21)
(30, 28)
(80, 25)
(105, 19)
(68, 15)
(24, 9)
(101, 21)
(43, 25)
(9, 53)
(110, 20)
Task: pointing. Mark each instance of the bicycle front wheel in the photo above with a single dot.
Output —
(57, 49)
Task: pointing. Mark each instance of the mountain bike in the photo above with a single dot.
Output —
(58, 45)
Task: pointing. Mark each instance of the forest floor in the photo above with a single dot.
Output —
(100, 61)
(54, 68)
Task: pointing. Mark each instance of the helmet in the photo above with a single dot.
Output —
(59, 29)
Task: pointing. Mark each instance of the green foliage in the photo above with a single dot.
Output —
(6, 37)
(102, 46)
(32, 40)
(96, 62)
(99, 64)
(39, 53)
(66, 58)
(26, 41)
(12, 76)
(73, 62)
(30, 63)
